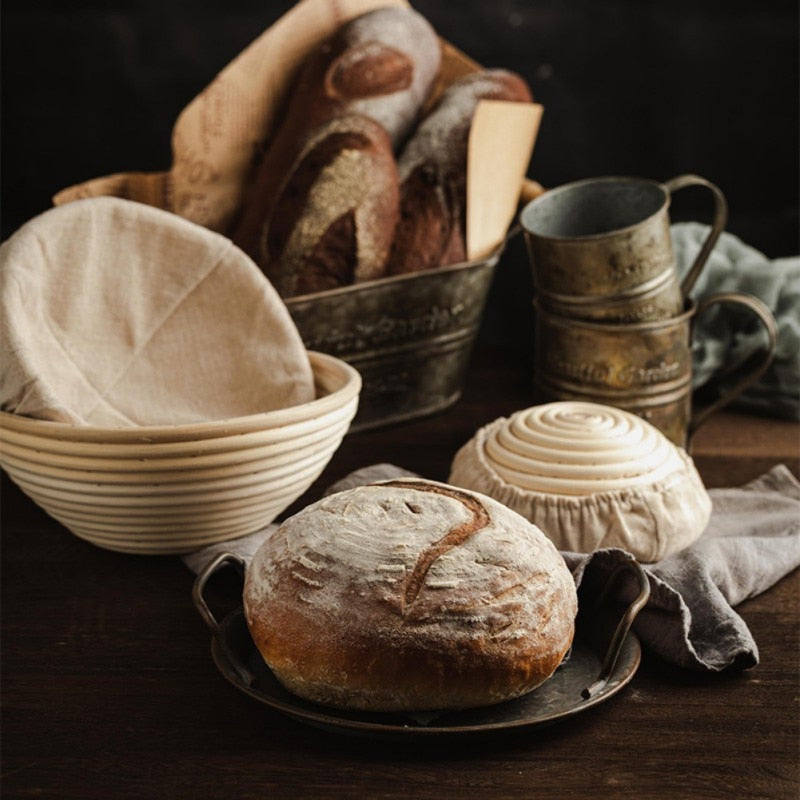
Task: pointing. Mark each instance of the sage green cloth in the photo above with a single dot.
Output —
(724, 336)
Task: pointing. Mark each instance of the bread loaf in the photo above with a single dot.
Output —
(381, 65)
(433, 173)
(335, 215)
(409, 595)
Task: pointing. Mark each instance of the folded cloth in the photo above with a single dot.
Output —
(724, 336)
(752, 540)
(116, 314)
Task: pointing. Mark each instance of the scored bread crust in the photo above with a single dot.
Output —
(334, 218)
(409, 595)
(432, 170)
(381, 65)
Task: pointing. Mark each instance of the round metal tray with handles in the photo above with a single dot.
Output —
(604, 657)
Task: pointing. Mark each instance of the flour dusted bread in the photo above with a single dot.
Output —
(323, 211)
(335, 214)
(409, 595)
(590, 476)
(433, 173)
(380, 65)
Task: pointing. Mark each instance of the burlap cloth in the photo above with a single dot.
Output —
(222, 133)
(752, 540)
(117, 314)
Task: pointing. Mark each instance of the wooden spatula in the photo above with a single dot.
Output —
(500, 146)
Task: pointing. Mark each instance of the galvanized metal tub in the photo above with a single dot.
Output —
(409, 336)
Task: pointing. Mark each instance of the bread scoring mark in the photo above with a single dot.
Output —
(305, 579)
(390, 568)
(443, 584)
(515, 588)
(368, 69)
(309, 563)
(453, 538)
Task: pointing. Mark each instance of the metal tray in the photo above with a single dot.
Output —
(592, 673)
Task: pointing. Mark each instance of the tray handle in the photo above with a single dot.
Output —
(630, 566)
(244, 675)
(198, 590)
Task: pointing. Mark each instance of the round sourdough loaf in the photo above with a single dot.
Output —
(409, 595)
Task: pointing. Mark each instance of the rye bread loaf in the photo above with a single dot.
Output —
(381, 64)
(334, 218)
(433, 173)
(409, 595)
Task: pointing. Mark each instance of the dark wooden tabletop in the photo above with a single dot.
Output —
(109, 690)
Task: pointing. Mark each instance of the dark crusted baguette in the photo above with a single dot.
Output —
(335, 215)
(433, 173)
(381, 65)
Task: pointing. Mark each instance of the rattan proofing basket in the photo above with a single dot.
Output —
(174, 489)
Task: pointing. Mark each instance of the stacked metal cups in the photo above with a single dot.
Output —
(613, 317)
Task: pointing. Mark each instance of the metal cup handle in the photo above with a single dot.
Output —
(719, 221)
(766, 318)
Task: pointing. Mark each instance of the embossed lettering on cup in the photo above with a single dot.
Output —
(643, 367)
(600, 248)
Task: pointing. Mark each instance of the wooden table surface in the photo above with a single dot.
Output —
(109, 691)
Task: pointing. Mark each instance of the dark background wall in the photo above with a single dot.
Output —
(641, 87)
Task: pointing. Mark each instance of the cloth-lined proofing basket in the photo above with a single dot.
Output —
(163, 397)
(591, 477)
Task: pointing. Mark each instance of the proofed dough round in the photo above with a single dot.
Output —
(590, 476)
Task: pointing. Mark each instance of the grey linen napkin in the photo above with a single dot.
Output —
(752, 540)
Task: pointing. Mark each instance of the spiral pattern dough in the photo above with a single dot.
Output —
(578, 448)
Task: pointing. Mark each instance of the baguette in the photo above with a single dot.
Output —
(433, 173)
(335, 215)
(381, 65)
